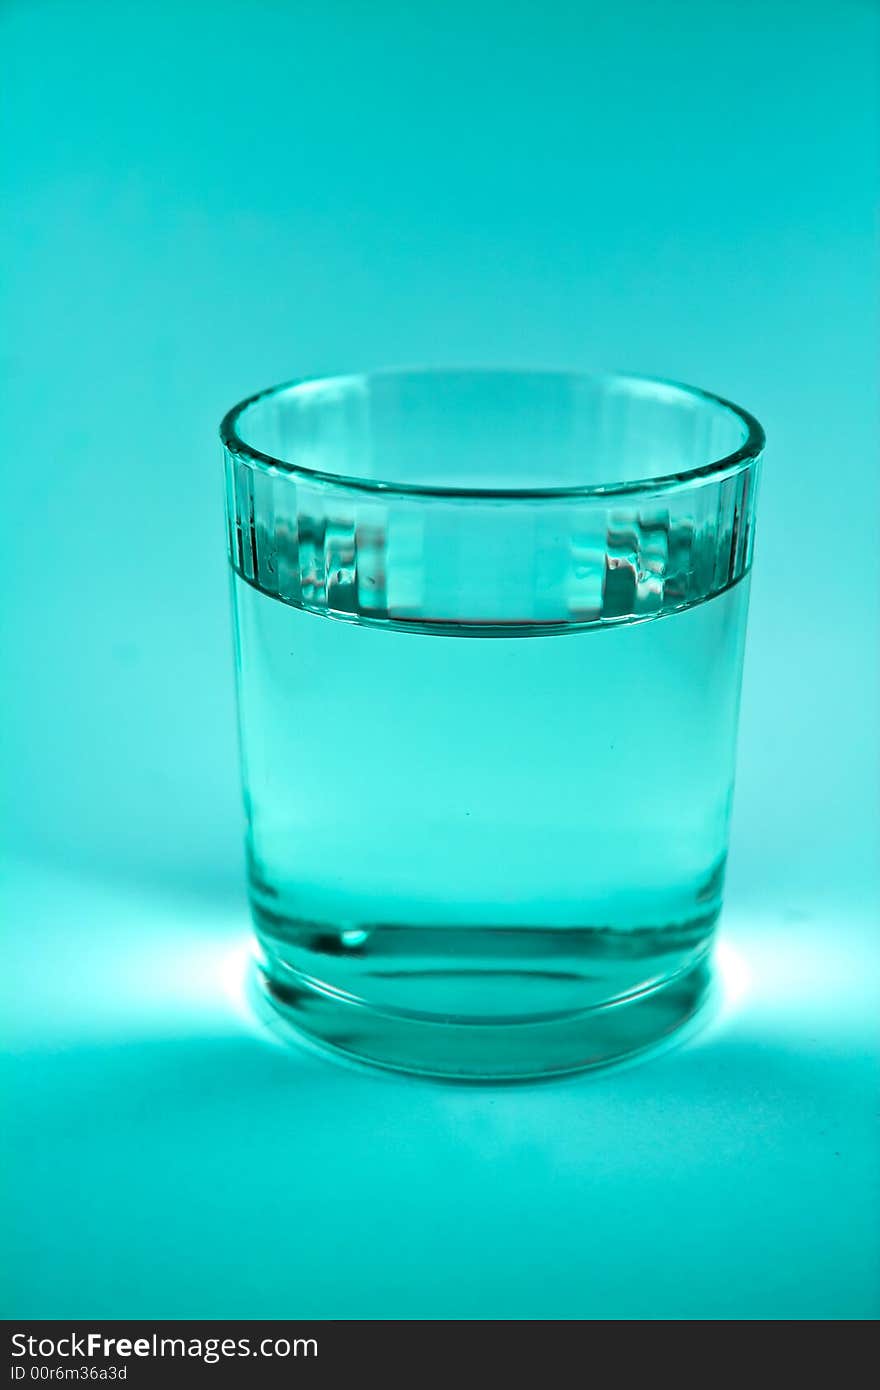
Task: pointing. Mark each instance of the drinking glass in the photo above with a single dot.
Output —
(489, 634)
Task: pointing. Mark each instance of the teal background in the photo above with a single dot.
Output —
(202, 199)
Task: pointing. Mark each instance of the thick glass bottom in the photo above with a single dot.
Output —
(521, 1004)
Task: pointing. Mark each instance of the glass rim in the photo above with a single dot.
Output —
(740, 459)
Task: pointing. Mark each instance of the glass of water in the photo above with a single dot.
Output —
(489, 634)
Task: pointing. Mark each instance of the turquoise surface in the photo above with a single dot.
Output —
(210, 198)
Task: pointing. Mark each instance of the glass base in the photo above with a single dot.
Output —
(496, 1046)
